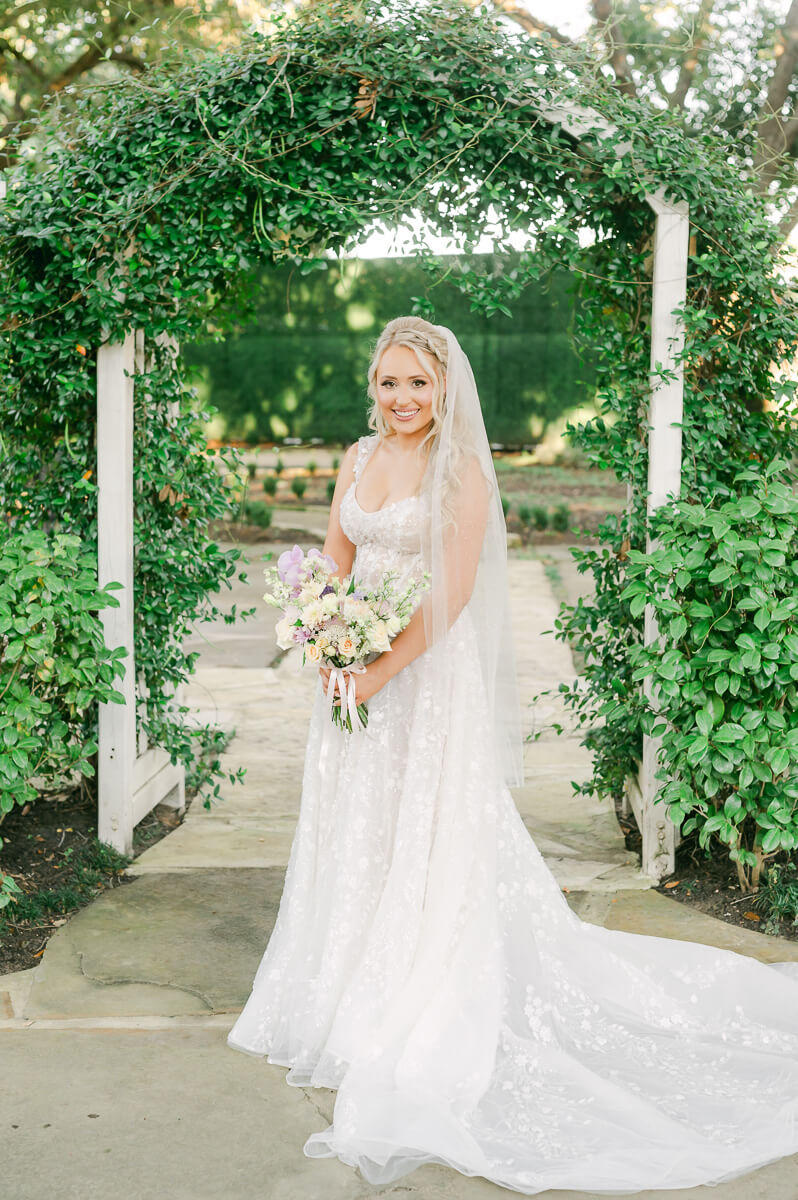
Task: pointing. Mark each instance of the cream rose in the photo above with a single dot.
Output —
(380, 639)
(312, 653)
(285, 633)
(346, 646)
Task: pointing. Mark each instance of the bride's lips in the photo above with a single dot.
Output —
(406, 415)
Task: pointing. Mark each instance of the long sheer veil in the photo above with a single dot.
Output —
(466, 552)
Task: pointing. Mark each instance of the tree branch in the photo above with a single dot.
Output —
(527, 22)
(690, 62)
(603, 11)
(772, 142)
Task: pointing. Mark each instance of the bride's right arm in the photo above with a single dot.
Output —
(336, 543)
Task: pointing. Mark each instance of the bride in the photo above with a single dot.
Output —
(424, 961)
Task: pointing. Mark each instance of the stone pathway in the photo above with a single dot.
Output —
(116, 1073)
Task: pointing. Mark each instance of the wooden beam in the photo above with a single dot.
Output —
(669, 291)
(117, 740)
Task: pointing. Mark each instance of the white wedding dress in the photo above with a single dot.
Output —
(425, 963)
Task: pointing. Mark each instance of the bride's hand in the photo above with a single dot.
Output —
(367, 683)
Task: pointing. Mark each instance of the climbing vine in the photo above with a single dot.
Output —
(157, 204)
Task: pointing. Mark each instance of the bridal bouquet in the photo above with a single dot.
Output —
(336, 622)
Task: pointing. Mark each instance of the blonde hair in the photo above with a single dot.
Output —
(432, 352)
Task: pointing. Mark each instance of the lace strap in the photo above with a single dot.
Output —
(365, 445)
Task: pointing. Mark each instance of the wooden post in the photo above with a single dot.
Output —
(671, 240)
(117, 741)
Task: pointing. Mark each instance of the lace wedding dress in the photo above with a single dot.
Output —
(426, 964)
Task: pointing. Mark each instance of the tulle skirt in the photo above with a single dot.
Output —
(426, 965)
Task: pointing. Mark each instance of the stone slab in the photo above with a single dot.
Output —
(177, 1114)
(652, 913)
(161, 945)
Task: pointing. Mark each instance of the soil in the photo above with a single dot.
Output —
(50, 849)
(707, 883)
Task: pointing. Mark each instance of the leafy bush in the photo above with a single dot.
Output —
(279, 466)
(723, 586)
(330, 490)
(270, 485)
(256, 514)
(505, 506)
(54, 668)
(561, 518)
(311, 466)
(299, 486)
(54, 665)
(540, 517)
(777, 897)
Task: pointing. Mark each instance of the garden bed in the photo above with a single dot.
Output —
(51, 850)
(708, 884)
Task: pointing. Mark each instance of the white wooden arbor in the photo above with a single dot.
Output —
(665, 412)
(133, 778)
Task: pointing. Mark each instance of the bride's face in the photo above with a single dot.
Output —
(404, 390)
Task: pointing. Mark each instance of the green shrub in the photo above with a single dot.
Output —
(336, 462)
(777, 897)
(561, 518)
(311, 467)
(270, 485)
(299, 486)
(54, 667)
(723, 585)
(505, 506)
(525, 515)
(540, 516)
(256, 514)
(330, 490)
(279, 466)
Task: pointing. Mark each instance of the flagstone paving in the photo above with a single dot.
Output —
(115, 1070)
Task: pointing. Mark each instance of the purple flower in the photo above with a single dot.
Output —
(358, 594)
(328, 590)
(289, 566)
(328, 562)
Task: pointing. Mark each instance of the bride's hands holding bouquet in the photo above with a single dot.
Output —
(368, 681)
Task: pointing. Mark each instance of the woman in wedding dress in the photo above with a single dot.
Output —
(424, 961)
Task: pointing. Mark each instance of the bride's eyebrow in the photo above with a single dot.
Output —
(424, 377)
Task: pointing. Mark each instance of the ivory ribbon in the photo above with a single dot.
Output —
(348, 692)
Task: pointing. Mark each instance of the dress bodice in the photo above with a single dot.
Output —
(388, 539)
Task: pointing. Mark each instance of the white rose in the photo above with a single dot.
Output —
(393, 625)
(330, 603)
(285, 633)
(379, 637)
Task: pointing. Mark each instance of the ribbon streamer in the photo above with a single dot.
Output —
(348, 693)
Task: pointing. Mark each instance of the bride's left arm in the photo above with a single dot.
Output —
(461, 558)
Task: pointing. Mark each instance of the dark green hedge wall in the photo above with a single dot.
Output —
(300, 369)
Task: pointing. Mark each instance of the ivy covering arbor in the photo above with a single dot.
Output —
(155, 211)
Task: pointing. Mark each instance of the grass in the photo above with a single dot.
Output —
(85, 873)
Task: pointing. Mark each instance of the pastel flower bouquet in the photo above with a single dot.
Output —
(336, 622)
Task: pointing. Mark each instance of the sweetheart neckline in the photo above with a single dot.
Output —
(373, 511)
